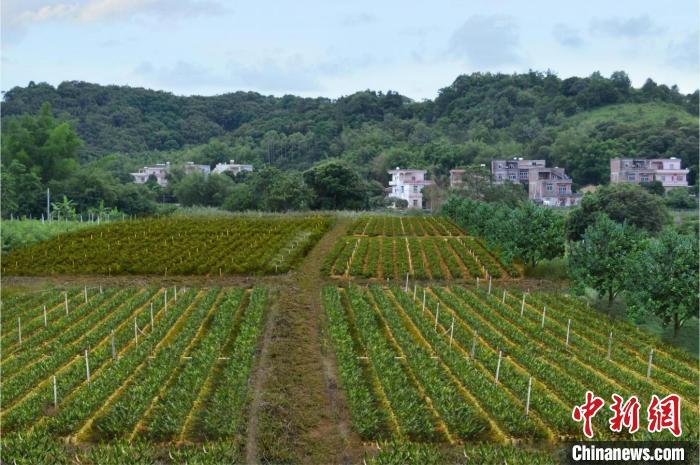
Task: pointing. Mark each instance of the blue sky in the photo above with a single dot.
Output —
(333, 48)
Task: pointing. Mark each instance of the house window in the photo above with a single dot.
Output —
(512, 177)
(500, 165)
(562, 189)
(500, 177)
(631, 177)
(645, 178)
(415, 202)
(548, 187)
(523, 174)
(402, 189)
(413, 178)
(663, 178)
(415, 189)
(627, 165)
(680, 177)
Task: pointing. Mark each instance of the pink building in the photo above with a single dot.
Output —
(668, 171)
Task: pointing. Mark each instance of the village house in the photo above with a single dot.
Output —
(231, 167)
(668, 171)
(159, 172)
(549, 186)
(408, 184)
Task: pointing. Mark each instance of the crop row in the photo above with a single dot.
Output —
(404, 226)
(167, 381)
(460, 367)
(174, 246)
(421, 257)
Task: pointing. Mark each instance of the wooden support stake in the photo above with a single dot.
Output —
(610, 345)
(452, 329)
(405, 288)
(85, 293)
(114, 349)
(522, 306)
(87, 366)
(19, 330)
(477, 282)
(415, 287)
(504, 297)
(529, 390)
(165, 301)
(489, 284)
(544, 312)
(568, 330)
(151, 316)
(498, 365)
(136, 332)
(65, 300)
(437, 312)
(423, 300)
(175, 293)
(651, 355)
(55, 393)
(473, 351)
(45, 320)
(100, 288)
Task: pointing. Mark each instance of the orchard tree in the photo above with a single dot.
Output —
(603, 258)
(336, 187)
(532, 234)
(619, 202)
(664, 281)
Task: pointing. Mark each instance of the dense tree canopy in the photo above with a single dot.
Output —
(620, 202)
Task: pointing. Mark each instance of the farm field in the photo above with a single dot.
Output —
(431, 373)
(174, 246)
(425, 248)
(145, 365)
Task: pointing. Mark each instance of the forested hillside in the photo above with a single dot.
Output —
(576, 123)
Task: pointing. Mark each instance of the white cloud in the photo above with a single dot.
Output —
(18, 16)
(685, 53)
(567, 36)
(487, 41)
(635, 27)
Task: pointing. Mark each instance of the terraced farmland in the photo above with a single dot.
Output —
(425, 248)
(457, 368)
(174, 246)
(164, 365)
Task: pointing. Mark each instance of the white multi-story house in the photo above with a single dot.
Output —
(190, 168)
(159, 171)
(408, 184)
(668, 171)
(232, 167)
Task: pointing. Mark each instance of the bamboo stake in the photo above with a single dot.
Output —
(498, 365)
(610, 345)
(87, 366)
(85, 293)
(452, 329)
(477, 282)
(136, 332)
(423, 300)
(568, 330)
(405, 288)
(651, 355)
(504, 297)
(415, 287)
(55, 393)
(65, 300)
(45, 321)
(522, 306)
(544, 312)
(437, 312)
(19, 330)
(151, 316)
(489, 285)
(114, 349)
(473, 351)
(529, 390)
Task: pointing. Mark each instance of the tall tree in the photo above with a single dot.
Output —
(664, 280)
(602, 259)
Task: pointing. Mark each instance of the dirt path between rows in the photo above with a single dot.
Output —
(298, 414)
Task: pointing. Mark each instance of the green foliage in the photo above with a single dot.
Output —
(174, 245)
(604, 258)
(529, 233)
(680, 198)
(664, 280)
(21, 233)
(620, 202)
(336, 187)
(203, 190)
